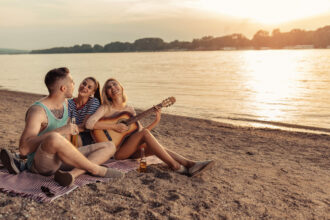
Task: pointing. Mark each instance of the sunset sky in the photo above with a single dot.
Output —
(38, 24)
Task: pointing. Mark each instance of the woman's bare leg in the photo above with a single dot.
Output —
(98, 154)
(180, 159)
(57, 144)
(132, 144)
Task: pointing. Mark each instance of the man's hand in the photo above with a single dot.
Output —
(68, 129)
(73, 128)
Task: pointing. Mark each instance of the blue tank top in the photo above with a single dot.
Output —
(53, 123)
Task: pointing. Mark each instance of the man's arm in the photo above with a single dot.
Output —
(30, 140)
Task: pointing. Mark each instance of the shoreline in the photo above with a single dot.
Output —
(240, 49)
(243, 123)
(258, 173)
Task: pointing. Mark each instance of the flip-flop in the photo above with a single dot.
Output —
(200, 167)
(8, 161)
(63, 178)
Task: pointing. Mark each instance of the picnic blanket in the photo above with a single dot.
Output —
(33, 186)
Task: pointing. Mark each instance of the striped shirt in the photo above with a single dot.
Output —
(88, 109)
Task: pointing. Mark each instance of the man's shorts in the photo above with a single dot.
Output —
(47, 164)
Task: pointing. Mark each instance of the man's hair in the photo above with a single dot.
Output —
(54, 75)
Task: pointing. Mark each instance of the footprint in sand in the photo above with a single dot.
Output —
(162, 175)
(147, 181)
(172, 197)
(134, 214)
(155, 204)
(114, 210)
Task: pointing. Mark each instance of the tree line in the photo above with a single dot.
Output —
(319, 38)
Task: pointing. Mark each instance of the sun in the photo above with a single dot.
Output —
(267, 11)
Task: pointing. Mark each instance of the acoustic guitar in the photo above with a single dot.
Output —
(128, 119)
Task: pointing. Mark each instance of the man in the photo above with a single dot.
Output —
(43, 139)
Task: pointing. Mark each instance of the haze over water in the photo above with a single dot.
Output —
(258, 88)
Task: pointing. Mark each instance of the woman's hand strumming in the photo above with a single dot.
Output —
(120, 127)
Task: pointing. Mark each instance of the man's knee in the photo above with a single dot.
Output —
(53, 140)
(110, 148)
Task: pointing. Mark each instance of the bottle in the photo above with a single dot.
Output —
(143, 162)
(74, 138)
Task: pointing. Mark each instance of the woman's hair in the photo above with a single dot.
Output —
(107, 100)
(97, 91)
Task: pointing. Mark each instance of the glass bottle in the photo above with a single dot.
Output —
(74, 138)
(143, 162)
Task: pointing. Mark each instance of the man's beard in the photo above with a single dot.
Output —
(69, 95)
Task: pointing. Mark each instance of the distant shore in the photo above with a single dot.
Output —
(259, 173)
(262, 39)
(173, 50)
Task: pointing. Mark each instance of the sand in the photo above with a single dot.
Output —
(259, 174)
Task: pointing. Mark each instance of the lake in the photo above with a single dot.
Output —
(286, 89)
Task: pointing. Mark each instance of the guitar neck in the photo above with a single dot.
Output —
(142, 114)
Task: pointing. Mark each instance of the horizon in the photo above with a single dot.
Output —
(59, 23)
(132, 42)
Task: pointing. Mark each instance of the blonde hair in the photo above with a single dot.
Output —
(107, 100)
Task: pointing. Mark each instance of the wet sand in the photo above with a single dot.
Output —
(259, 174)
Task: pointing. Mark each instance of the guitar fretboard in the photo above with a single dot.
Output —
(142, 114)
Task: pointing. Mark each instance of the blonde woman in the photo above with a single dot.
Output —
(114, 103)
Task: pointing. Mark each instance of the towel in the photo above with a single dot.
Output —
(45, 189)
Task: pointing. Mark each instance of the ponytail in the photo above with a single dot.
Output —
(97, 93)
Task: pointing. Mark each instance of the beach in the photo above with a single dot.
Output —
(259, 173)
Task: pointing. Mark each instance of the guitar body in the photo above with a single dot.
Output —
(128, 119)
(117, 138)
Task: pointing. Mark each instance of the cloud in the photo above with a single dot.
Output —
(18, 13)
(36, 24)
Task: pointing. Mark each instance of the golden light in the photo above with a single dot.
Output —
(273, 80)
(266, 11)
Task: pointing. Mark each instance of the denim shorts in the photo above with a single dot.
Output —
(86, 138)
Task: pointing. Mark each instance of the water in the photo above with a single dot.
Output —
(270, 88)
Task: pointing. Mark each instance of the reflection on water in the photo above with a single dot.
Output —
(273, 79)
(264, 87)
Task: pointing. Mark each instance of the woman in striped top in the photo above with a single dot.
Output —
(83, 106)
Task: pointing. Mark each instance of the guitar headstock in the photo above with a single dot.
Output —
(168, 102)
